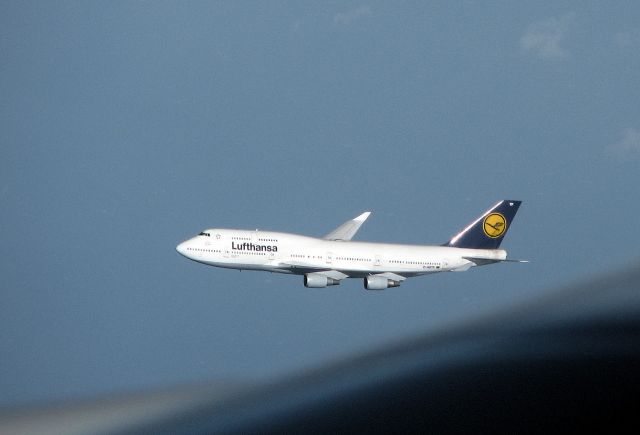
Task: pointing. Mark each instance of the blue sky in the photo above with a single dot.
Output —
(126, 127)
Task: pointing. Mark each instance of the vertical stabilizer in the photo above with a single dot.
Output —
(487, 231)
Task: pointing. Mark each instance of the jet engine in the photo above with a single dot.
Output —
(376, 282)
(316, 280)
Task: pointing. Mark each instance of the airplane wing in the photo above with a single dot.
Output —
(347, 230)
(392, 276)
(333, 274)
(301, 266)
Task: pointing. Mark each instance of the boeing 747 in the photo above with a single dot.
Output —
(327, 261)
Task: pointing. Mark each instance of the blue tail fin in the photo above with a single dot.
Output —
(488, 230)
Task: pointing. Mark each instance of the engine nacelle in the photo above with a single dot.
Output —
(379, 283)
(316, 280)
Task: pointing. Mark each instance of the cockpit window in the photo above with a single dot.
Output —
(205, 234)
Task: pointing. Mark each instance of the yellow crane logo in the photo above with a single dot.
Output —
(494, 225)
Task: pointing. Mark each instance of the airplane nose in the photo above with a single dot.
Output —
(182, 248)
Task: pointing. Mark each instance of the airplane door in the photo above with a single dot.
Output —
(329, 257)
(377, 261)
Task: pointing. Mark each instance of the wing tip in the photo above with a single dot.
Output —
(363, 217)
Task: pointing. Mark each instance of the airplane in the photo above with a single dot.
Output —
(328, 260)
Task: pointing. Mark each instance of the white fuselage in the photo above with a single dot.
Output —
(296, 254)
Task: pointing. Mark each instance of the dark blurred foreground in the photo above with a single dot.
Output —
(570, 360)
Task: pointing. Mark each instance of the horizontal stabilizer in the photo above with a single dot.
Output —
(347, 230)
(481, 261)
(484, 261)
